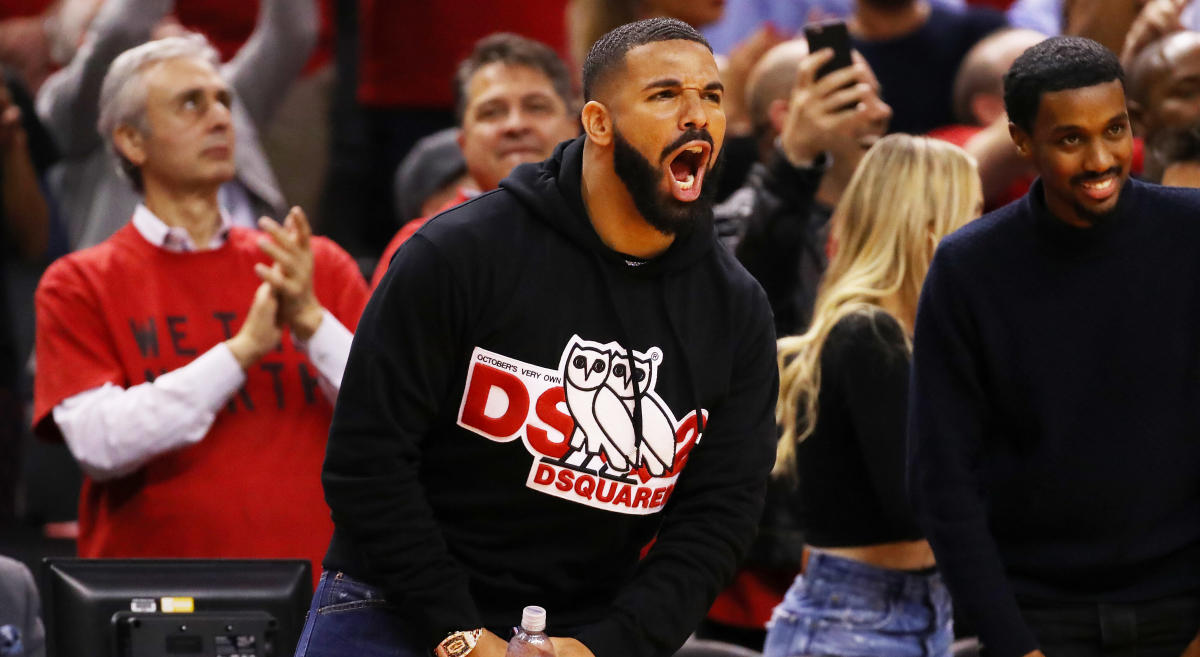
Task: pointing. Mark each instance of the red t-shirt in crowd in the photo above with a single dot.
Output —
(125, 312)
(19, 8)
(408, 51)
(228, 23)
(406, 231)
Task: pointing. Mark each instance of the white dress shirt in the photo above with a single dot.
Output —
(113, 431)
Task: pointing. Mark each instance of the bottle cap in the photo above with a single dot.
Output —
(533, 618)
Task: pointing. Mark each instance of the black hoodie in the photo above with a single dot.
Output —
(490, 448)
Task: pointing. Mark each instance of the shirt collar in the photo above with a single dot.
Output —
(175, 238)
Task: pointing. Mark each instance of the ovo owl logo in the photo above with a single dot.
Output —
(599, 432)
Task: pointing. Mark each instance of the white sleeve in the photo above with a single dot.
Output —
(328, 349)
(113, 431)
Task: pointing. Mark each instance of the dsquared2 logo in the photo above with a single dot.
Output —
(578, 422)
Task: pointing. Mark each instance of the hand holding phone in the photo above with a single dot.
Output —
(832, 114)
(832, 35)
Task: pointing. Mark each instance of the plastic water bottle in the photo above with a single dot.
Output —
(531, 639)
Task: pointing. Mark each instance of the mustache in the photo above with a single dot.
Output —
(692, 134)
(1088, 176)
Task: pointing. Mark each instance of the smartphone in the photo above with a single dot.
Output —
(829, 34)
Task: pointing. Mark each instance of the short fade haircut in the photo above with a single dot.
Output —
(123, 95)
(608, 52)
(1056, 64)
(511, 50)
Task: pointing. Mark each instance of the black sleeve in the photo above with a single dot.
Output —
(42, 151)
(871, 361)
(711, 516)
(396, 379)
(776, 232)
(949, 412)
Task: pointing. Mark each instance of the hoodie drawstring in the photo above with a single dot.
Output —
(623, 334)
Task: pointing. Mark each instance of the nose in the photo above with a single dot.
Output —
(692, 113)
(518, 121)
(1098, 157)
(219, 114)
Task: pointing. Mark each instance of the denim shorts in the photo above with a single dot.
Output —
(851, 609)
(349, 617)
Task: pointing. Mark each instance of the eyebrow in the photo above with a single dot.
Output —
(221, 92)
(672, 82)
(1123, 116)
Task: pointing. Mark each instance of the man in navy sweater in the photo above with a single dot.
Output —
(1055, 409)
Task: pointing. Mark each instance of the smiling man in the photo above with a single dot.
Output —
(514, 106)
(550, 377)
(1054, 424)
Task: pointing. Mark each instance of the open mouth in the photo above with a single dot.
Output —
(686, 167)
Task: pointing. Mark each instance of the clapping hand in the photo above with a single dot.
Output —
(291, 276)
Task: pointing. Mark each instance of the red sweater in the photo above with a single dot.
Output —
(406, 231)
(124, 312)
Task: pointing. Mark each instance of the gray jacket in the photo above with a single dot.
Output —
(93, 197)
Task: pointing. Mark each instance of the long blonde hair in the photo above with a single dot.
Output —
(906, 194)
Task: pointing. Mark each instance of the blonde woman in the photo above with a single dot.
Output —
(870, 587)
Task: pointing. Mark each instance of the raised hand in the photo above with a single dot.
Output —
(836, 107)
(1157, 19)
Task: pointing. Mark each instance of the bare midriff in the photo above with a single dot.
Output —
(901, 555)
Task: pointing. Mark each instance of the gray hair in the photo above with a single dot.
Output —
(123, 96)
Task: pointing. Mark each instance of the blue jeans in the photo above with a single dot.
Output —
(349, 618)
(851, 609)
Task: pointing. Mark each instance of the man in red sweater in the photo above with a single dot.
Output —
(514, 106)
(190, 365)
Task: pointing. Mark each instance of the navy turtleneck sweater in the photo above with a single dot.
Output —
(1054, 426)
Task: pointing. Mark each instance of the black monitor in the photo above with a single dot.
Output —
(174, 607)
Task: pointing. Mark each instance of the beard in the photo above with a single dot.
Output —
(665, 213)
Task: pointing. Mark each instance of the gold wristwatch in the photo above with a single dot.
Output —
(457, 644)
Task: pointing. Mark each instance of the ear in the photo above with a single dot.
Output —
(597, 123)
(129, 143)
(1137, 116)
(1022, 141)
(777, 114)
